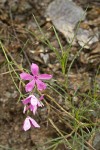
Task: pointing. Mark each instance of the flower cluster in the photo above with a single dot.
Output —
(31, 103)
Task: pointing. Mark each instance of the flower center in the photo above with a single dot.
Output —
(35, 77)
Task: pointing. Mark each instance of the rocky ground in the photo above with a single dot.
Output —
(16, 20)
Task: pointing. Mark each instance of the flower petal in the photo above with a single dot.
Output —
(45, 76)
(40, 85)
(42, 97)
(31, 107)
(34, 110)
(39, 104)
(34, 69)
(26, 100)
(24, 109)
(34, 123)
(34, 100)
(30, 86)
(27, 124)
(26, 76)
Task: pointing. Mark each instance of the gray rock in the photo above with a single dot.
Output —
(8, 94)
(14, 94)
(96, 141)
(2, 2)
(45, 57)
(86, 37)
(31, 25)
(65, 15)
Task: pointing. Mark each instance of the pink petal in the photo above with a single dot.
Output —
(34, 69)
(26, 100)
(34, 100)
(39, 104)
(42, 97)
(34, 123)
(27, 124)
(45, 76)
(34, 110)
(40, 85)
(24, 110)
(26, 76)
(30, 86)
(31, 107)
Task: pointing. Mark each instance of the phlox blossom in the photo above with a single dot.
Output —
(29, 122)
(35, 78)
(32, 103)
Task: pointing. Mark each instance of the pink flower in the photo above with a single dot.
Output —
(28, 123)
(35, 78)
(32, 103)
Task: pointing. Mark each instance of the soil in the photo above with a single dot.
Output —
(15, 18)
